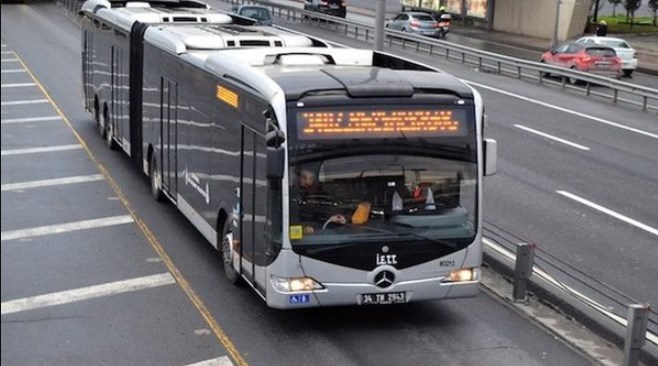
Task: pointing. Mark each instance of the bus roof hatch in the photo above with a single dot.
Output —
(371, 82)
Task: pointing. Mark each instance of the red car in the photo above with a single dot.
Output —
(596, 59)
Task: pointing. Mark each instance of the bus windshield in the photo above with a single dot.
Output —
(368, 198)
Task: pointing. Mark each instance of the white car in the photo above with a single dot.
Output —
(624, 50)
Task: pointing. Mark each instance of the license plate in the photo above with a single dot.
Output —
(384, 298)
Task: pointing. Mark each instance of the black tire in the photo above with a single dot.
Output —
(156, 179)
(574, 81)
(628, 73)
(544, 74)
(100, 122)
(227, 253)
(109, 140)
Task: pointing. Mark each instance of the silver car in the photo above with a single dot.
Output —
(415, 22)
(259, 13)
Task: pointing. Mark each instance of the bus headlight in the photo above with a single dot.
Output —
(295, 284)
(463, 275)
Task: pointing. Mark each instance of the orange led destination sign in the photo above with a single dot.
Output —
(379, 123)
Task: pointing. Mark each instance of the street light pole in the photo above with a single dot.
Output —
(380, 12)
(596, 11)
(557, 23)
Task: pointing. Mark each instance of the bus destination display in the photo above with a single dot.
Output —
(380, 123)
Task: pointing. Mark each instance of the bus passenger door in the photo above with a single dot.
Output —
(253, 188)
(118, 110)
(87, 71)
(168, 135)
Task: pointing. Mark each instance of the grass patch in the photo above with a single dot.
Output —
(619, 24)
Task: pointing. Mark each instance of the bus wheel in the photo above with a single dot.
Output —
(227, 253)
(156, 179)
(109, 139)
(100, 122)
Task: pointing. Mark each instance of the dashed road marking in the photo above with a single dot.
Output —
(34, 150)
(17, 85)
(52, 182)
(23, 102)
(31, 119)
(610, 212)
(219, 361)
(86, 293)
(66, 227)
(551, 137)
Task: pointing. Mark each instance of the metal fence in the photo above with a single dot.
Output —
(589, 84)
(583, 297)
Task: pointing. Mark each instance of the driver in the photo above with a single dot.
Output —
(309, 189)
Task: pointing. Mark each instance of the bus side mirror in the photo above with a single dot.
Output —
(275, 163)
(275, 138)
(490, 156)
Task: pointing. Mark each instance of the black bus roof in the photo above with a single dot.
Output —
(357, 73)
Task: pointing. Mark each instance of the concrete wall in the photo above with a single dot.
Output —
(537, 17)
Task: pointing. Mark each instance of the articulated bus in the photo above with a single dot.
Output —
(395, 148)
(113, 37)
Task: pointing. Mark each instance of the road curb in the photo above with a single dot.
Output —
(572, 308)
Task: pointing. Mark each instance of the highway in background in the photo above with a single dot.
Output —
(479, 38)
(576, 175)
(163, 326)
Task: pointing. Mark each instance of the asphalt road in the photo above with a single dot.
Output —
(577, 177)
(76, 216)
(584, 190)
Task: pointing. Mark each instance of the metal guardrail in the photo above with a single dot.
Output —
(607, 311)
(615, 90)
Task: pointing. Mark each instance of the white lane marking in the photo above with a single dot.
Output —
(86, 293)
(23, 102)
(9, 60)
(219, 361)
(566, 289)
(34, 150)
(28, 120)
(17, 85)
(7, 52)
(66, 227)
(543, 134)
(608, 211)
(52, 182)
(579, 114)
(13, 71)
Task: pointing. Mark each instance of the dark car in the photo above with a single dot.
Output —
(596, 59)
(260, 13)
(337, 8)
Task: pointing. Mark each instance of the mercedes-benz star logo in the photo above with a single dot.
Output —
(384, 279)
